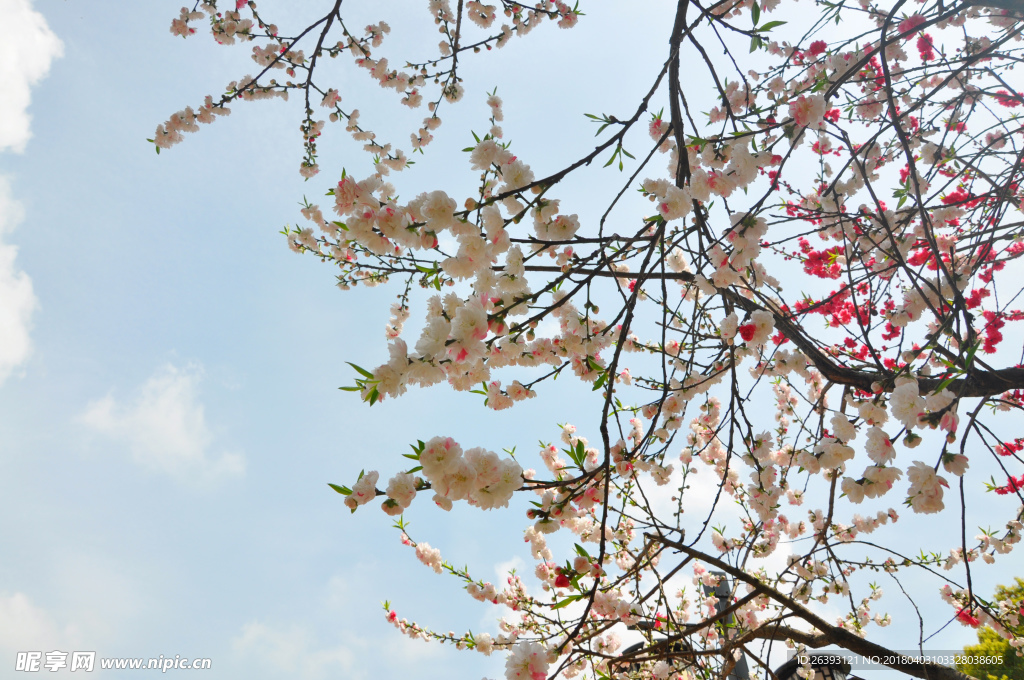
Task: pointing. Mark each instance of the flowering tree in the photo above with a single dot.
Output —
(880, 170)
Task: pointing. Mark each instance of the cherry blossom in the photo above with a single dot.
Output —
(806, 315)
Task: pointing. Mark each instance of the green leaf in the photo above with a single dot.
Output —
(362, 371)
(770, 25)
(970, 355)
(343, 490)
(755, 13)
(567, 601)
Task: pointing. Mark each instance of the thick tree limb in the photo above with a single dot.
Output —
(828, 635)
(978, 383)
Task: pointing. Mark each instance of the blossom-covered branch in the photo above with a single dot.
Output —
(816, 301)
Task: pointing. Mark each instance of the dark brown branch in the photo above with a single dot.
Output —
(829, 635)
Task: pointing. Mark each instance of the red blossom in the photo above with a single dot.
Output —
(961, 196)
(1013, 484)
(993, 336)
(976, 296)
(925, 47)
(822, 263)
(1007, 99)
(817, 47)
(968, 618)
(910, 24)
(1010, 448)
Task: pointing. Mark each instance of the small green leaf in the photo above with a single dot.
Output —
(343, 490)
(567, 601)
(970, 355)
(362, 371)
(755, 13)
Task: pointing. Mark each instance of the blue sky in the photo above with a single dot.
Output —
(169, 369)
(172, 417)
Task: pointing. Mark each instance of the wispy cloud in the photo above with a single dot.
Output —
(17, 300)
(27, 626)
(26, 52)
(165, 428)
(291, 652)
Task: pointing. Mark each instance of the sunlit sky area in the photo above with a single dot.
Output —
(169, 371)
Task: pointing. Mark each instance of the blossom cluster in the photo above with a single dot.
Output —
(813, 312)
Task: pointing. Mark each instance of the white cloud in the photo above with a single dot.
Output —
(28, 48)
(17, 301)
(25, 626)
(165, 428)
(502, 569)
(292, 652)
